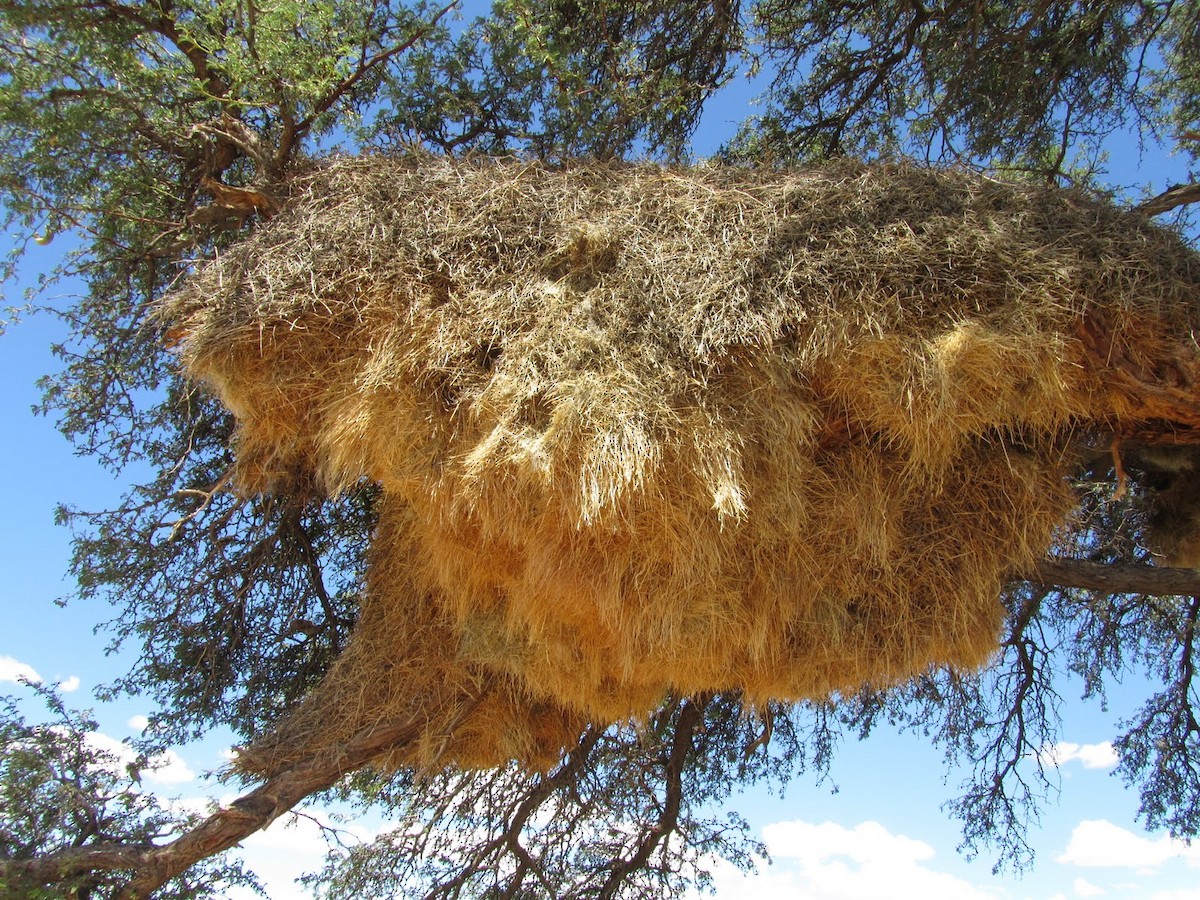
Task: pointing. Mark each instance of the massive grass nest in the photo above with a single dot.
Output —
(643, 430)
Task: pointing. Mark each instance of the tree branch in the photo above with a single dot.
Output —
(237, 134)
(691, 716)
(1187, 670)
(1116, 578)
(154, 866)
(567, 773)
(299, 129)
(166, 25)
(1173, 197)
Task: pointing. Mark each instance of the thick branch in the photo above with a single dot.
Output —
(166, 25)
(1116, 579)
(1171, 198)
(235, 133)
(1187, 670)
(154, 866)
(691, 716)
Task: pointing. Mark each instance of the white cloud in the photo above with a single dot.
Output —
(832, 862)
(138, 723)
(167, 767)
(1098, 842)
(121, 754)
(1091, 756)
(289, 847)
(1084, 888)
(14, 670)
(866, 842)
(1177, 894)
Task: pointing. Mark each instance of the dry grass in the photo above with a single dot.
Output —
(643, 430)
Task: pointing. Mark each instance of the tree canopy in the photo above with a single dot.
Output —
(160, 132)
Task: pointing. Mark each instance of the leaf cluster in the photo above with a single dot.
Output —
(566, 79)
(1035, 86)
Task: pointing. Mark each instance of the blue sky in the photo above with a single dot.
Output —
(880, 833)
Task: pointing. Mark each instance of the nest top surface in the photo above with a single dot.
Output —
(682, 264)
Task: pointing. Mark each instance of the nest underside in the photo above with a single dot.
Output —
(643, 431)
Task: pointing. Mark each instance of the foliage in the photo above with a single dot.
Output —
(112, 112)
(1039, 86)
(62, 790)
(562, 80)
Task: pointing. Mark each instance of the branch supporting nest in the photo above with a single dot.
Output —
(235, 133)
(153, 867)
(1116, 579)
(1172, 198)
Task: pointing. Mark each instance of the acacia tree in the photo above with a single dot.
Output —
(160, 131)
